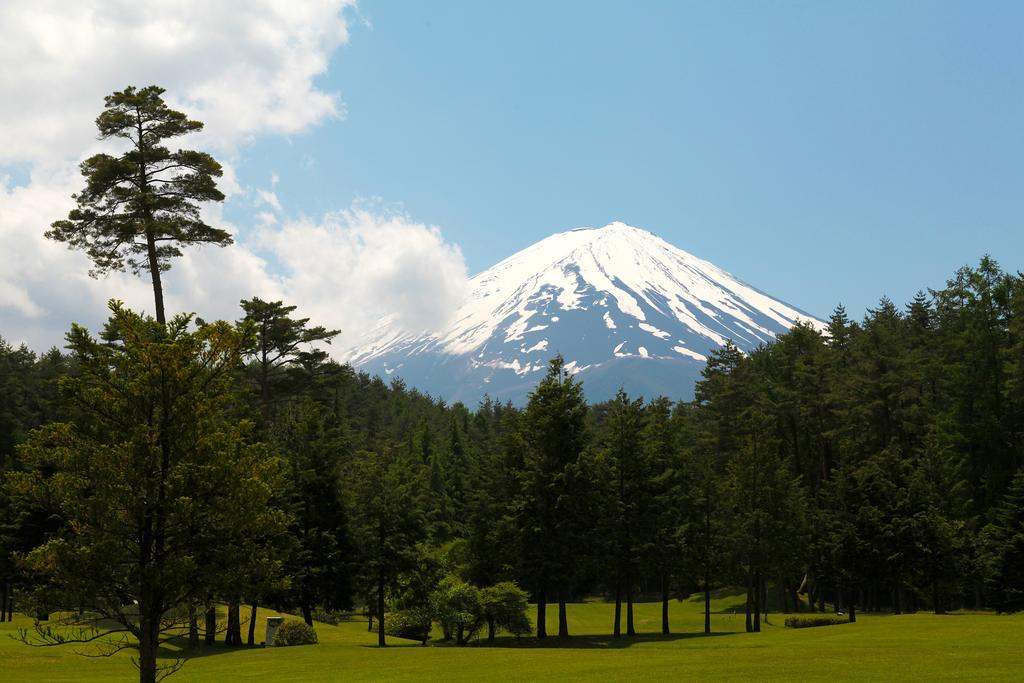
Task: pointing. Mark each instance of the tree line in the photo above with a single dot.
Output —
(161, 467)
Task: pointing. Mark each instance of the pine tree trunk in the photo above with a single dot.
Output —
(211, 625)
(542, 614)
(750, 598)
(264, 390)
(940, 608)
(252, 623)
(664, 606)
(230, 629)
(764, 599)
(380, 613)
(563, 619)
(193, 628)
(707, 565)
(148, 642)
(490, 630)
(616, 630)
(757, 603)
(707, 607)
(369, 620)
(307, 613)
(154, 271)
(3, 603)
(630, 630)
(233, 636)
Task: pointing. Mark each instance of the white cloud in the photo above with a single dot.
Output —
(242, 68)
(269, 197)
(245, 69)
(368, 264)
(345, 270)
(43, 285)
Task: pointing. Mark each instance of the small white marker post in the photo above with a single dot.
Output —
(272, 624)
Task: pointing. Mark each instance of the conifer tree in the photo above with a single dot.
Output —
(316, 449)
(279, 362)
(140, 208)
(666, 509)
(623, 508)
(162, 492)
(1006, 548)
(387, 524)
(281, 343)
(703, 497)
(553, 490)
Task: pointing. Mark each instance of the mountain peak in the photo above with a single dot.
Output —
(623, 306)
(613, 226)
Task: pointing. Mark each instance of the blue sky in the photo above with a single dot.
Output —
(823, 152)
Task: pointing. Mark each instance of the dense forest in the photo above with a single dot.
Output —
(158, 468)
(872, 467)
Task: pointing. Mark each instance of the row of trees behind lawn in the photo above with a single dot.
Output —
(164, 466)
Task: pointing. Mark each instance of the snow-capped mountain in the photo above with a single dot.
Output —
(623, 307)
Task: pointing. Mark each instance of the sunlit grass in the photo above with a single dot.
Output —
(908, 647)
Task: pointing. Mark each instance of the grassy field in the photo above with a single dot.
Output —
(909, 647)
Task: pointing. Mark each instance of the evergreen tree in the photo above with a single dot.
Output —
(702, 466)
(624, 483)
(138, 209)
(160, 489)
(1006, 548)
(280, 344)
(666, 512)
(316, 450)
(491, 528)
(553, 491)
(387, 524)
(280, 364)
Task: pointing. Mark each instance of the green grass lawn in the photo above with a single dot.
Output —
(909, 647)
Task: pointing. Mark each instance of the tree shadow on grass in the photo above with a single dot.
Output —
(179, 648)
(581, 642)
(594, 642)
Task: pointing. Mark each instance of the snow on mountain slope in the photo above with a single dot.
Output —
(622, 306)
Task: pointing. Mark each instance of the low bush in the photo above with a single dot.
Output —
(294, 633)
(332, 617)
(456, 604)
(412, 624)
(815, 620)
(504, 606)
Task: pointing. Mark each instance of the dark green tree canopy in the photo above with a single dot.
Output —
(280, 343)
(163, 493)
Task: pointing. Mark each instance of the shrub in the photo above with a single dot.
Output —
(815, 620)
(413, 624)
(457, 606)
(294, 633)
(504, 606)
(330, 616)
